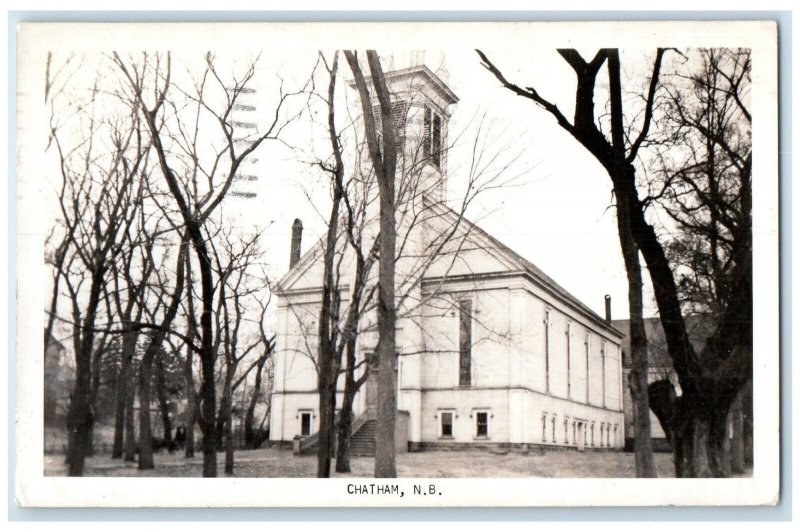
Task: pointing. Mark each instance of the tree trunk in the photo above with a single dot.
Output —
(163, 401)
(643, 447)
(122, 393)
(747, 414)
(145, 428)
(188, 372)
(250, 437)
(80, 421)
(327, 409)
(345, 424)
(130, 425)
(191, 399)
(90, 439)
(226, 415)
(329, 357)
(80, 417)
(737, 437)
(207, 358)
(229, 438)
(698, 433)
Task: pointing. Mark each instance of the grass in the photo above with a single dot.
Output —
(275, 463)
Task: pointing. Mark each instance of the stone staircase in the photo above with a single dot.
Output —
(362, 443)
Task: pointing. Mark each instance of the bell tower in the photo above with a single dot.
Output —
(421, 101)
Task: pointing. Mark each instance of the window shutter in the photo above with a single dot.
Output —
(426, 133)
(436, 140)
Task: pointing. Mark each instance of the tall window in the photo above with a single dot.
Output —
(446, 420)
(603, 358)
(544, 426)
(482, 424)
(587, 366)
(547, 350)
(554, 428)
(465, 342)
(568, 332)
(432, 136)
(602, 434)
(566, 430)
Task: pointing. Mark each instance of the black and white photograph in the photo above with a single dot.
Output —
(437, 264)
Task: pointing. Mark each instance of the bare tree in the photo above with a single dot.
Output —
(709, 382)
(129, 279)
(96, 203)
(152, 91)
(383, 153)
(255, 436)
(170, 301)
(234, 259)
(350, 248)
(190, 413)
(704, 186)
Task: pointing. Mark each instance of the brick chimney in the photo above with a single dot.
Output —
(608, 308)
(297, 237)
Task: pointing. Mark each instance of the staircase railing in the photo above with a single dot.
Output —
(303, 444)
(307, 442)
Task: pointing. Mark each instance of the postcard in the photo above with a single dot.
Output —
(397, 264)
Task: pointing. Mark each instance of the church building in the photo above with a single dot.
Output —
(491, 351)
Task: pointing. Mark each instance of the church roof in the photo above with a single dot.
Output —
(513, 262)
(533, 271)
(422, 72)
(698, 326)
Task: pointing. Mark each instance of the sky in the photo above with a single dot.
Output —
(557, 212)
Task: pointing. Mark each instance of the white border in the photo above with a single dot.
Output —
(34, 489)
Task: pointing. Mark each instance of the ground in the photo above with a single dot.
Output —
(269, 463)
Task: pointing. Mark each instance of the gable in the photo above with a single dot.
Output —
(468, 252)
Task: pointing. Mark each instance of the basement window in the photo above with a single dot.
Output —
(481, 424)
(446, 424)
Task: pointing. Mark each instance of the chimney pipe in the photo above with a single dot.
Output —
(608, 308)
(297, 236)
